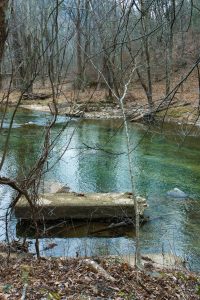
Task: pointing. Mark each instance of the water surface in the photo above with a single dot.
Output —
(95, 160)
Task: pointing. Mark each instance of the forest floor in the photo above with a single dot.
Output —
(93, 102)
(57, 279)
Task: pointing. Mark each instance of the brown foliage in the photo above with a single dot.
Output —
(75, 279)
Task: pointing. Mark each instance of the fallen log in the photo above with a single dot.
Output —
(147, 115)
(98, 269)
(36, 96)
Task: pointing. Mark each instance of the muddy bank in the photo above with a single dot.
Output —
(94, 105)
(183, 113)
(97, 111)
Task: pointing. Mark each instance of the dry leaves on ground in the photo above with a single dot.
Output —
(74, 279)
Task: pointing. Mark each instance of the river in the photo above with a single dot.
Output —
(96, 161)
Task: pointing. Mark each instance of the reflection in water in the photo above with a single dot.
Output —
(73, 229)
(160, 164)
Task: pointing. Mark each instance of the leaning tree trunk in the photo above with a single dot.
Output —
(3, 30)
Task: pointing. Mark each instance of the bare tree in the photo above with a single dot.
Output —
(145, 25)
(3, 29)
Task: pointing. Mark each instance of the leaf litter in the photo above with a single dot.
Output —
(75, 278)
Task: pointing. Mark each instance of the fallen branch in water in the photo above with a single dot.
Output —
(127, 222)
(113, 226)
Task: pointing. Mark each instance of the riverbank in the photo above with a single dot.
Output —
(179, 113)
(183, 113)
(93, 103)
(99, 278)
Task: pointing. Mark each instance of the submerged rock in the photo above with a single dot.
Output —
(176, 193)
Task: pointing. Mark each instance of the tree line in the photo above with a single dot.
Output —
(98, 43)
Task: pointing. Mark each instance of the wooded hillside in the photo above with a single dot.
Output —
(89, 43)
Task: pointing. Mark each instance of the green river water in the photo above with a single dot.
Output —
(96, 161)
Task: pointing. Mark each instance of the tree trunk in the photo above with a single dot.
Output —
(169, 62)
(107, 74)
(145, 41)
(18, 55)
(78, 48)
(169, 45)
(3, 31)
(87, 34)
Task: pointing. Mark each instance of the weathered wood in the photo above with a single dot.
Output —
(81, 206)
(165, 106)
(98, 269)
